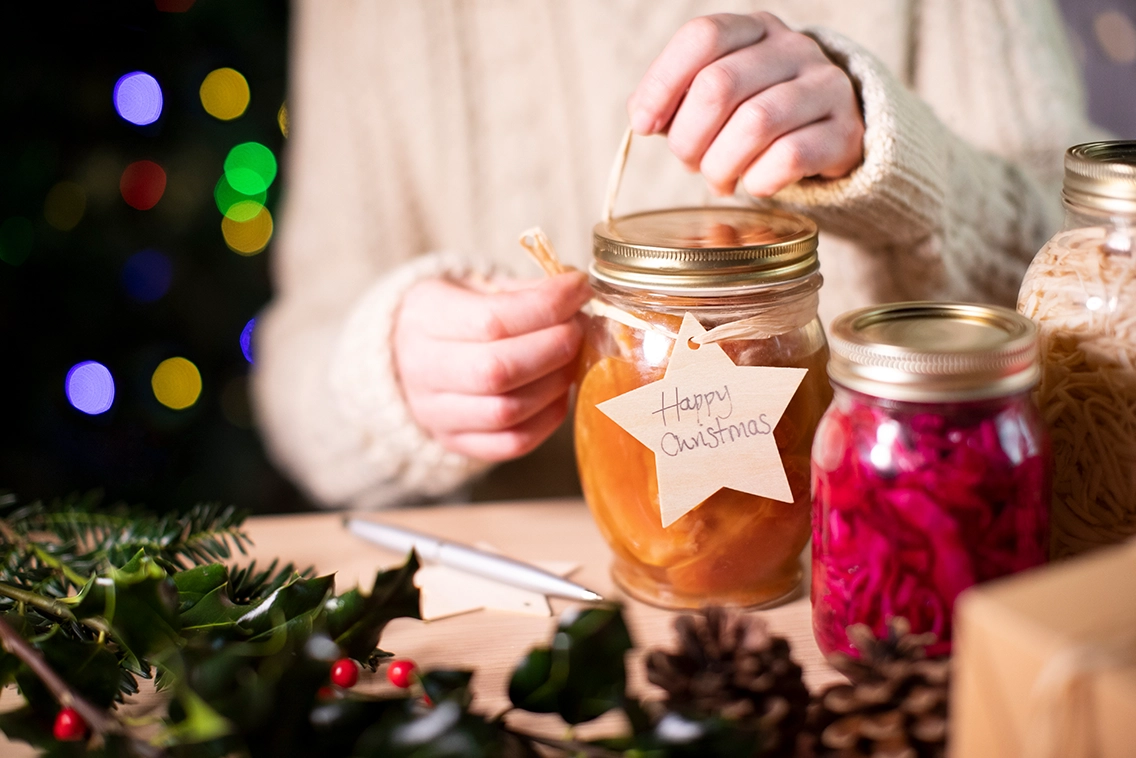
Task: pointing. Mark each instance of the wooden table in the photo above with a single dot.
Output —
(490, 642)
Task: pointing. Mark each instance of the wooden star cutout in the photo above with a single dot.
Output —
(709, 423)
(447, 591)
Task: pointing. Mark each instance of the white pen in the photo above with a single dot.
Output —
(469, 559)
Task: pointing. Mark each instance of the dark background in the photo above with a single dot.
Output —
(65, 301)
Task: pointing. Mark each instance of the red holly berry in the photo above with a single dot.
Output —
(344, 673)
(399, 672)
(69, 726)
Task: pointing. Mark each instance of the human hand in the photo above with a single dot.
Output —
(487, 373)
(745, 97)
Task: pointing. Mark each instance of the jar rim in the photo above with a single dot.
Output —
(710, 248)
(934, 351)
(1101, 176)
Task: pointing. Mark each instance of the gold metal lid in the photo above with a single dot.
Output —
(1101, 176)
(712, 249)
(934, 351)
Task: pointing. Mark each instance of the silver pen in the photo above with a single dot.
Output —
(469, 559)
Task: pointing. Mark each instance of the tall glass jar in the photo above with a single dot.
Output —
(1080, 290)
(929, 469)
(751, 278)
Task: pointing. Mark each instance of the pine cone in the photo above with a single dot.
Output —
(896, 705)
(729, 665)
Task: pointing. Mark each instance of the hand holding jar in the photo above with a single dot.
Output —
(745, 97)
(487, 373)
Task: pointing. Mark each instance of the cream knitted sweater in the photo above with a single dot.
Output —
(428, 133)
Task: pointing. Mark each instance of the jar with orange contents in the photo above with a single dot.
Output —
(750, 277)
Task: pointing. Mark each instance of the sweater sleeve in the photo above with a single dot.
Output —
(974, 215)
(331, 405)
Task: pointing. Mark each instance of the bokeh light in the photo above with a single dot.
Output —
(250, 168)
(173, 6)
(236, 205)
(224, 94)
(246, 339)
(176, 383)
(248, 237)
(138, 98)
(282, 119)
(16, 238)
(142, 184)
(64, 206)
(146, 275)
(89, 387)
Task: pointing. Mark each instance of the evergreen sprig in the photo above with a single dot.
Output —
(79, 533)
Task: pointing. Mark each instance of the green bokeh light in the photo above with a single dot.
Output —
(250, 168)
(237, 205)
(16, 238)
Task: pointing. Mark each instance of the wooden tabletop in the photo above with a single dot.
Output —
(492, 642)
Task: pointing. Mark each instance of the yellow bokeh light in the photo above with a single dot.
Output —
(282, 119)
(248, 237)
(225, 94)
(65, 204)
(176, 383)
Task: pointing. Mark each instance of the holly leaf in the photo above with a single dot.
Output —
(89, 667)
(357, 623)
(343, 611)
(533, 687)
(293, 605)
(446, 730)
(195, 583)
(214, 612)
(582, 675)
(139, 601)
(448, 684)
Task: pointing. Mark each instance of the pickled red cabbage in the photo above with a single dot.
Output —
(913, 503)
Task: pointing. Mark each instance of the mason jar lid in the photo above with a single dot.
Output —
(1101, 176)
(685, 250)
(934, 351)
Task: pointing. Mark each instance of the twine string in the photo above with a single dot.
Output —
(1062, 703)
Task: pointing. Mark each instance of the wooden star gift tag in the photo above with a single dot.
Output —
(709, 423)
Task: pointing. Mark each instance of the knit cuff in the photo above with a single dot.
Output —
(897, 192)
(368, 394)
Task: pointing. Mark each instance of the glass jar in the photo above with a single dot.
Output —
(1080, 290)
(750, 277)
(930, 470)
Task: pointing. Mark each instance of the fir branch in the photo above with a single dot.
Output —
(95, 717)
(54, 607)
(74, 537)
(102, 722)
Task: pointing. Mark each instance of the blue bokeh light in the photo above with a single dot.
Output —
(90, 387)
(146, 275)
(246, 339)
(138, 98)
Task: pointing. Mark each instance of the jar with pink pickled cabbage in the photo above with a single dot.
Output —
(930, 469)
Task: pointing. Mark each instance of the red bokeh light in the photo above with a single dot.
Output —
(173, 6)
(142, 184)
